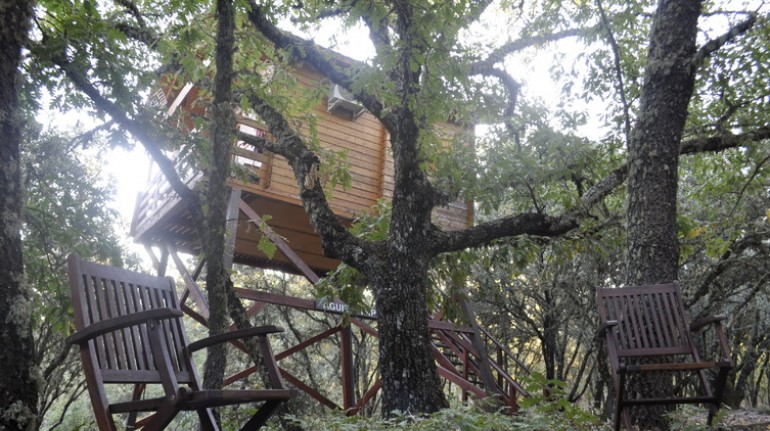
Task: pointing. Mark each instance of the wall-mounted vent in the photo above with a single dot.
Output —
(341, 102)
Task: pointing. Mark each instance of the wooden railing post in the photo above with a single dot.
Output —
(348, 372)
(466, 358)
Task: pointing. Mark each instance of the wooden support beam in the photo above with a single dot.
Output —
(369, 394)
(190, 284)
(299, 384)
(484, 365)
(179, 99)
(461, 382)
(312, 340)
(231, 229)
(279, 242)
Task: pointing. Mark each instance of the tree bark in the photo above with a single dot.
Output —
(409, 375)
(218, 193)
(653, 155)
(18, 382)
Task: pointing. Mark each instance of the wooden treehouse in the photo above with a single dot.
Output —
(268, 187)
(265, 201)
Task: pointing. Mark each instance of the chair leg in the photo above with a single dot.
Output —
(619, 379)
(136, 396)
(207, 420)
(719, 388)
(162, 417)
(262, 415)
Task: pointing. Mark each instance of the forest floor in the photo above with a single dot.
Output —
(739, 420)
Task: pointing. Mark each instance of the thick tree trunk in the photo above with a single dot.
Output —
(653, 155)
(18, 385)
(409, 374)
(410, 379)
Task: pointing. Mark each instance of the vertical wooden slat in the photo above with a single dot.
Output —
(110, 346)
(146, 304)
(164, 329)
(144, 360)
(91, 289)
(134, 335)
(120, 310)
(678, 319)
(648, 329)
(637, 323)
(176, 347)
(666, 338)
(119, 352)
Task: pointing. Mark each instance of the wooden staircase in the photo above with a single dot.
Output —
(466, 357)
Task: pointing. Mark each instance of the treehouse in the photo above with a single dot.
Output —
(265, 203)
(266, 198)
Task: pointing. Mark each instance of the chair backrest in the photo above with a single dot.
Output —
(103, 292)
(651, 319)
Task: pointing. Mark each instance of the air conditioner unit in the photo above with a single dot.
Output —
(341, 101)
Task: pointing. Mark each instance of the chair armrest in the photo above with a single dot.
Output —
(700, 323)
(606, 327)
(117, 323)
(233, 335)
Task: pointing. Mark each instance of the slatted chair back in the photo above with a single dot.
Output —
(651, 320)
(102, 292)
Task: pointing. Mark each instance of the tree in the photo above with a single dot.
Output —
(66, 209)
(653, 156)
(18, 380)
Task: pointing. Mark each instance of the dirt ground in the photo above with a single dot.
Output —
(740, 420)
(747, 420)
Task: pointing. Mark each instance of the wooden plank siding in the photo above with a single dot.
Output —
(269, 186)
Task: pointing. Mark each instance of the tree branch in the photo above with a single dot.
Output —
(544, 225)
(336, 241)
(500, 53)
(619, 85)
(715, 44)
(519, 224)
(141, 130)
(511, 86)
(138, 34)
(313, 55)
(723, 142)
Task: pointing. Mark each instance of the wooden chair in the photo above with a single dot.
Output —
(647, 330)
(130, 331)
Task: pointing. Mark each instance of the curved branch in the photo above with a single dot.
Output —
(500, 53)
(619, 85)
(715, 144)
(715, 44)
(322, 61)
(336, 241)
(519, 224)
(545, 225)
(141, 130)
(511, 86)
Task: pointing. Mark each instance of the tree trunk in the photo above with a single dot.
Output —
(218, 193)
(18, 385)
(400, 277)
(410, 379)
(653, 156)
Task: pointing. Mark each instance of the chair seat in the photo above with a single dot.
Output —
(204, 399)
